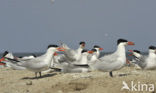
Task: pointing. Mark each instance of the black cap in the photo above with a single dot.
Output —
(84, 50)
(5, 53)
(33, 55)
(82, 42)
(52, 46)
(96, 46)
(94, 50)
(121, 41)
(137, 51)
(152, 47)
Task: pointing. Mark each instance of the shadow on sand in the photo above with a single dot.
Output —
(43, 76)
(122, 75)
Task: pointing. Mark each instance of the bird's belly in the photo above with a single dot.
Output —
(151, 64)
(38, 67)
(110, 67)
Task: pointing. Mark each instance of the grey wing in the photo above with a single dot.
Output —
(30, 63)
(109, 58)
(69, 54)
(142, 62)
(19, 59)
(62, 58)
(103, 66)
(15, 66)
(64, 46)
(89, 57)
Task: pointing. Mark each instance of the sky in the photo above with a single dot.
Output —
(31, 25)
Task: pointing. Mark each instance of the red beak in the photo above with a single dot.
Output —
(131, 43)
(130, 55)
(2, 59)
(2, 63)
(101, 49)
(90, 52)
(60, 49)
(55, 54)
(130, 51)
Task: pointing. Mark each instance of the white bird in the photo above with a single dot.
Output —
(83, 60)
(73, 55)
(9, 55)
(98, 49)
(77, 66)
(8, 63)
(11, 63)
(94, 55)
(151, 59)
(97, 52)
(145, 62)
(114, 61)
(40, 63)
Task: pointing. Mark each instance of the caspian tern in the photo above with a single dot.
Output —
(137, 61)
(9, 55)
(146, 62)
(151, 59)
(11, 63)
(77, 66)
(114, 61)
(94, 55)
(98, 49)
(40, 63)
(83, 60)
(73, 55)
(6, 54)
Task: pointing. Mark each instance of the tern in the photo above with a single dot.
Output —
(114, 61)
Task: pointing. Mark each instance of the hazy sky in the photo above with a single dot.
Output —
(31, 25)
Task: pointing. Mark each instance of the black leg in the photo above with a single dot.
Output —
(35, 74)
(40, 74)
(111, 74)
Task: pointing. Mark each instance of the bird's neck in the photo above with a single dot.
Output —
(51, 63)
(93, 58)
(49, 55)
(151, 54)
(121, 51)
(98, 53)
(84, 59)
(78, 54)
(79, 50)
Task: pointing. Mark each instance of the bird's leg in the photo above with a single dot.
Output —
(40, 74)
(111, 74)
(35, 74)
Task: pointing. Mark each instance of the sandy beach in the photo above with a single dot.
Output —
(15, 81)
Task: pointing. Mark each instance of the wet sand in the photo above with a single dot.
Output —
(15, 81)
